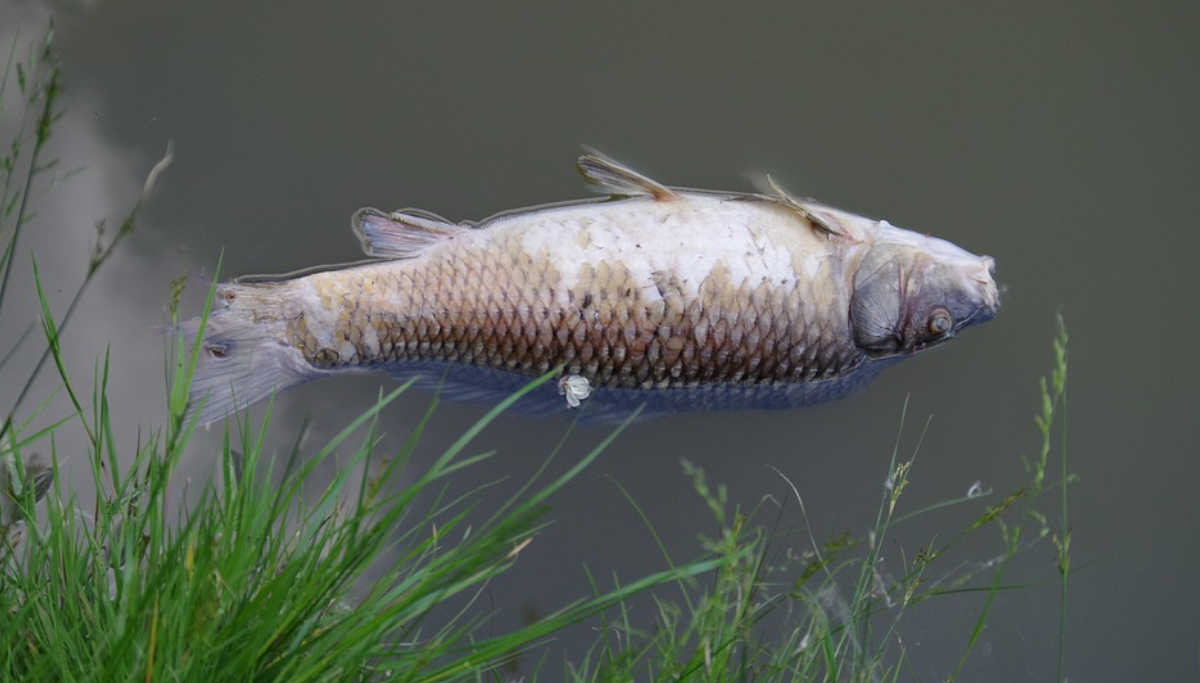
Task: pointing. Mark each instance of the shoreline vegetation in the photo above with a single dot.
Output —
(377, 577)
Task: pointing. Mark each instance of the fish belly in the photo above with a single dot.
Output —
(632, 295)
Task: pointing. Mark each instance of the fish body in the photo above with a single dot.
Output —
(679, 299)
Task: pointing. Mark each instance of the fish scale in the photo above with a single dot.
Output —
(733, 331)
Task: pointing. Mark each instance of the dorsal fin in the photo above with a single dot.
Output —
(613, 177)
(820, 221)
(401, 234)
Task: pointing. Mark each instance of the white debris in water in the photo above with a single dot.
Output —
(803, 643)
(975, 490)
(575, 388)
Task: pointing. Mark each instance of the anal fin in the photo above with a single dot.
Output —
(401, 234)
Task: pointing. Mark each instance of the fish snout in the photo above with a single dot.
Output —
(987, 300)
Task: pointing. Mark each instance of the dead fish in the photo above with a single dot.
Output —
(675, 299)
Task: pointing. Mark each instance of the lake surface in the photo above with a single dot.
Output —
(1060, 139)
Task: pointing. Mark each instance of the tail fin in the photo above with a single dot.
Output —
(244, 356)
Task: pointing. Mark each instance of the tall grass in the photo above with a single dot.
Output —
(378, 575)
(37, 79)
(252, 582)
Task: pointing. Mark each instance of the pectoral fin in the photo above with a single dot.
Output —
(401, 234)
(613, 177)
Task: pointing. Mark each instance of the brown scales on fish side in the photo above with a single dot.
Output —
(679, 298)
(606, 330)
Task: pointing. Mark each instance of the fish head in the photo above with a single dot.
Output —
(914, 291)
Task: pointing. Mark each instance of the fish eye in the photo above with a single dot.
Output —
(940, 321)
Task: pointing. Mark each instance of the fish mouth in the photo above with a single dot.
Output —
(981, 314)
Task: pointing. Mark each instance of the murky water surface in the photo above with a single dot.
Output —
(1058, 138)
